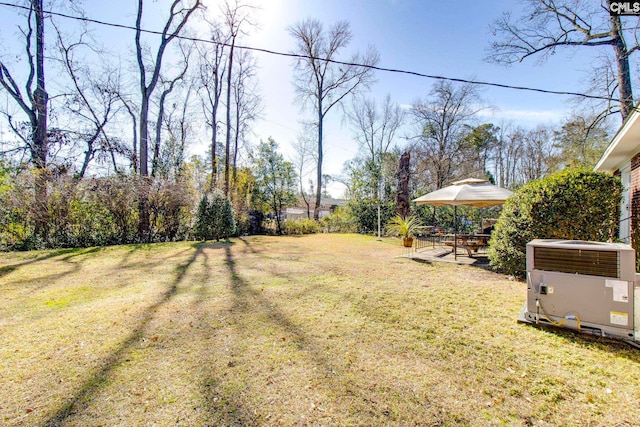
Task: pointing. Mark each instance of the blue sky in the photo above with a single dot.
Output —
(431, 37)
(427, 36)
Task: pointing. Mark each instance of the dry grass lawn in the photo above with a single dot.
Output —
(317, 330)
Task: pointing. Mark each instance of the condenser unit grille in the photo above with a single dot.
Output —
(577, 261)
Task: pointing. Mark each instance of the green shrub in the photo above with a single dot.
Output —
(365, 213)
(93, 211)
(214, 219)
(16, 229)
(300, 226)
(118, 195)
(89, 212)
(170, 204)
(62, 192)
(91, 223)
(339, 221)
(572, 204)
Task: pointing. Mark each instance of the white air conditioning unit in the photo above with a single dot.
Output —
(588, 286)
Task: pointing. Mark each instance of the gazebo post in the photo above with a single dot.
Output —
(455, 232)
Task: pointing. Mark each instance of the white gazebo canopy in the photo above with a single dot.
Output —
(468, 192)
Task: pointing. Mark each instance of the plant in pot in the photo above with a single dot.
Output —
(406, 227)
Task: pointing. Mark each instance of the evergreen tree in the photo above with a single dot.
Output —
(214, 219)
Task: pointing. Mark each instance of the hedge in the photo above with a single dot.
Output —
(573, 204)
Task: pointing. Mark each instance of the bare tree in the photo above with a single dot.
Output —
(375, 130)
(539, 156)
(508, 150)
(514, 151)
(523, 155)
(582, 141)
(247, 102)
(34, 104)
(178, 124)
(236, 17)
(168, 86)
(442, 121)
(149, 75)
(211, 66)
(478, 148)
(320, 82)
(547, 25)
(130, 107)
(92, 100)
(305, 151)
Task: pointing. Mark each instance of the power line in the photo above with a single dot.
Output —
(298, 56)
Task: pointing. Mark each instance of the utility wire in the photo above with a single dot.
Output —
(298, 56)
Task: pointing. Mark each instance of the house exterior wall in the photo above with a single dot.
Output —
(634, 199)
(300, 211)
(302, 214)
(621, 158)
(624, 209)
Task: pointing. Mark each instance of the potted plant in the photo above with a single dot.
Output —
(406, 227)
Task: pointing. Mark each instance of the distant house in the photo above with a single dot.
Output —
(622, 158)
(327, 206)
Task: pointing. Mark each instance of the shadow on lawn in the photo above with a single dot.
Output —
(249, 301)
(92, 385)
(243, 293)
(149, 261)
(45, 281)
(13, 267)
(587, 341)
(248, 246)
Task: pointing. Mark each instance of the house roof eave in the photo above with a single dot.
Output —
(624, 145)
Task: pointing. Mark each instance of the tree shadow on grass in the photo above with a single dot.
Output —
(52, 254)
(243, 292)
(222, 408)
(44, 281)
(150, 261)
(249, 301)
(248, 246)
(96, 380)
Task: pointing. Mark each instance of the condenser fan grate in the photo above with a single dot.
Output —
(577, 261)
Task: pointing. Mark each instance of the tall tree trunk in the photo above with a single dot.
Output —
(88, 156)
(304, 199)
(228, 141)
(316, 210)
(236, 137)
(402, 198)
(214, 143)
(144, 224)
(622, 63)
(40, 143)
(143, 167)
(155, 161)
(35, 107)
